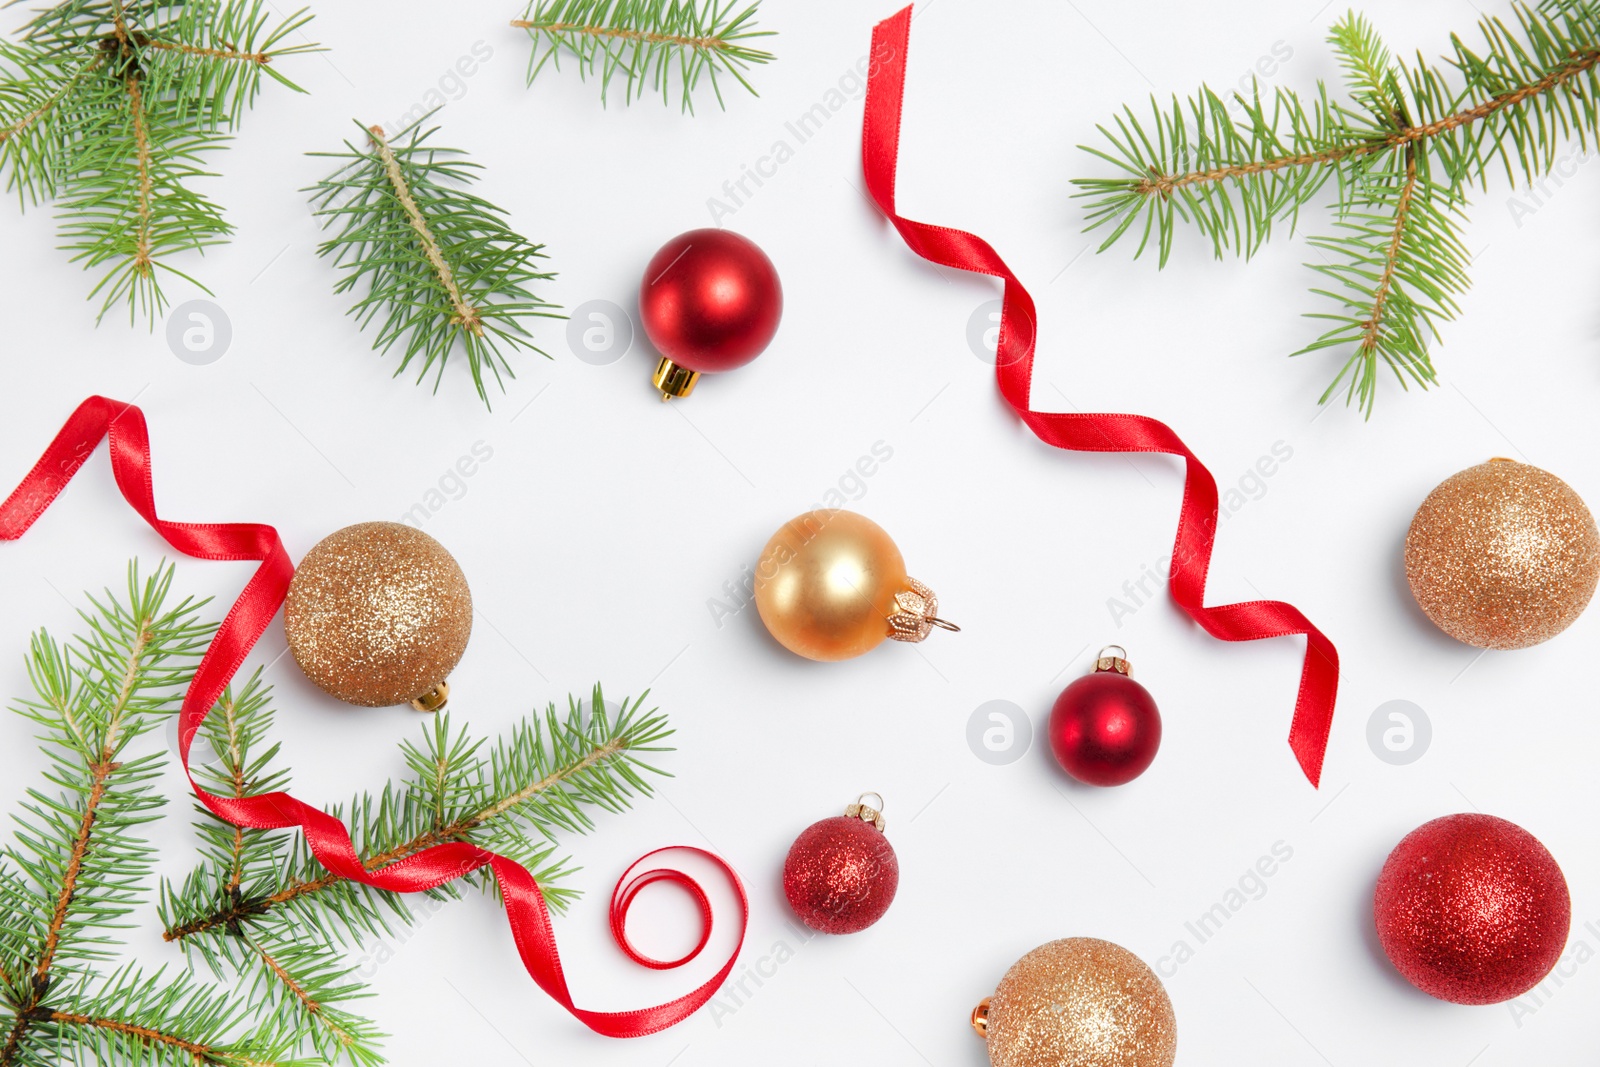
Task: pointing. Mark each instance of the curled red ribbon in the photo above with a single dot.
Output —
(129, 441)
(1191, 554)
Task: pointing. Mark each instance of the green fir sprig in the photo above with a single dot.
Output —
(79, 865)
(1402, 152)
(651, 45)
(110, 110)
(261, 907)
(434, 266)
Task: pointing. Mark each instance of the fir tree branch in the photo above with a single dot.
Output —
(1236, 169)
(262, 907)
(640, 736)
(303, 986)
(108, 107)
(645, 41)
(541, 776)
(339, 1034)
(437, 267)
(34, 141)
(27, 121)
(80, 865)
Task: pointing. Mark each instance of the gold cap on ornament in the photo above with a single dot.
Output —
(434, 699)
(1117, 664)
(866, 813)
(674, 381)
(917, 614)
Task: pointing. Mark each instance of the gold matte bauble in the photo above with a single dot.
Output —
(832, 585)
(1503, 555)
(379, 614)
(1079, 1002)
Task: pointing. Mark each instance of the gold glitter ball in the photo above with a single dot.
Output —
(378, 614)
(1081, 1002)
(1503, 555)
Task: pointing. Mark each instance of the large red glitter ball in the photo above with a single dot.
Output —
(1105, 729)
(1472, 909)
(710, 300)
(841, 875)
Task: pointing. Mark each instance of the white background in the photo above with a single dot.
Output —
(605, 522)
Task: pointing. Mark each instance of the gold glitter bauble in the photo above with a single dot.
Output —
(1503, 555)
(378, 614)
(1080, 1002)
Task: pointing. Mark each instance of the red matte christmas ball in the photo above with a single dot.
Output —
(842, 873)
(1105, 728)
(1472, 909)
(710, 301)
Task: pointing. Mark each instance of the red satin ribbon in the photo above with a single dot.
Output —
(129, 441)
(1191, 554)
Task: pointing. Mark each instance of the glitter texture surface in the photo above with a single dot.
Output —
(1503, 555)
(378, 613)
(1472, 909)
(841, 875)
(1081, 1002)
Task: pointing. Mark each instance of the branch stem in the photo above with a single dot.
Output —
(146, 1034)
(1372, 332)
(259, 58)
(1578, 65)
(49, 102)
(99, 772)
(466, 315)
(141, 140)
(312, 1006)
(711, 43)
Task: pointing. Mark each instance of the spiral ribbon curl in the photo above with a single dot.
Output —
(124, 427)
(1191, 554)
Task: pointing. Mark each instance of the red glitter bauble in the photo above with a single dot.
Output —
(710, 300)
(1104, 728)
(841, 875)
(1472, 909)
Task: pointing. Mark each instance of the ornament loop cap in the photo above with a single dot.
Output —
(434, 699)
(1119, 664)
(673, 380)
(916, 614)
(980, 1018)
(867, 814)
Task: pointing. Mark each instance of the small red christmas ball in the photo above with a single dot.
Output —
(841, 873)
(1472, 909)
(1104, 727)
(710, 301)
